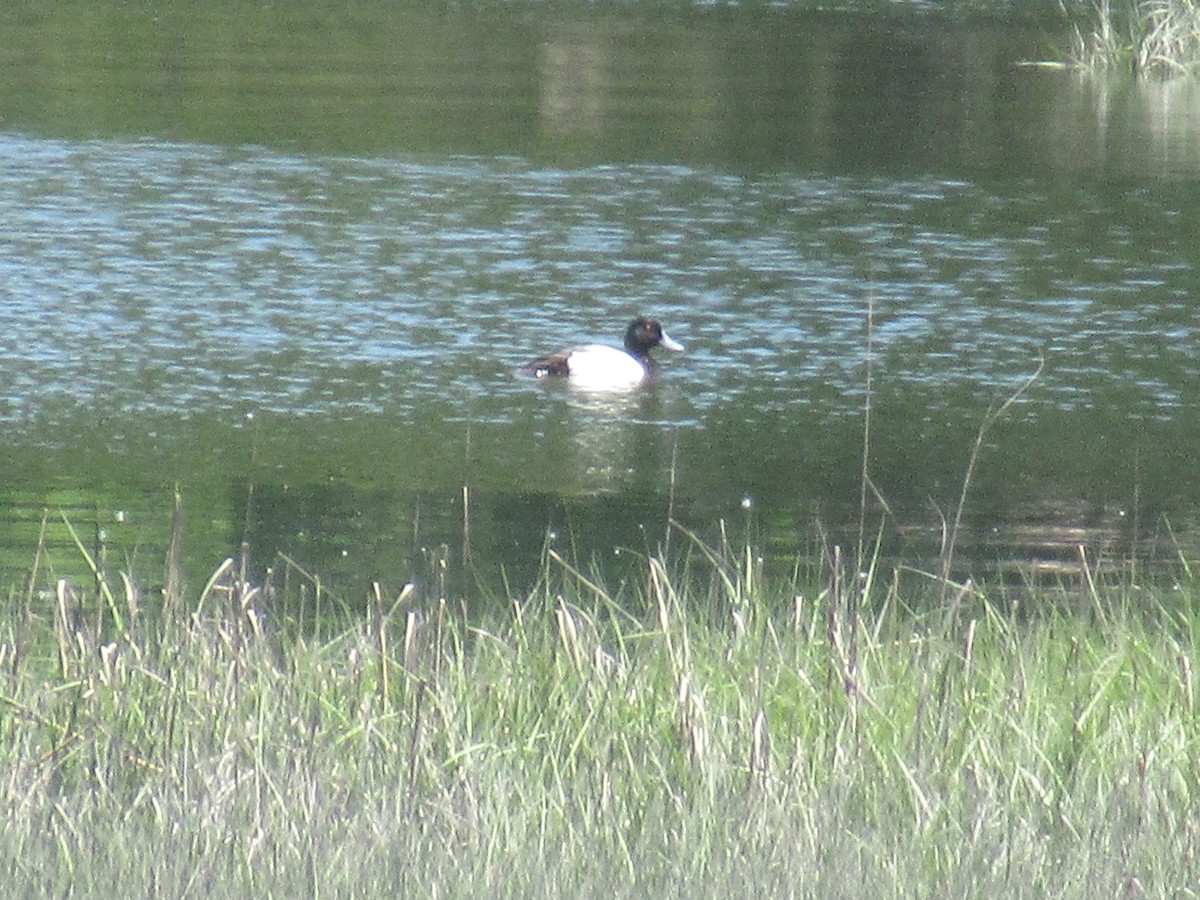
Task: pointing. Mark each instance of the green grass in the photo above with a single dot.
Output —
(1141, 36)
(703, 731)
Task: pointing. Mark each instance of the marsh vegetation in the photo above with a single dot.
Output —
(698, 727)
(1144, 36)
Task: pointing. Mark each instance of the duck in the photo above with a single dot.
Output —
(602, 366)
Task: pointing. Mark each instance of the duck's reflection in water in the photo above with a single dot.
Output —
(613, 441)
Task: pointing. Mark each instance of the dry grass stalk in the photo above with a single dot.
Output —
(1152, 36)
(173, 561)
(381, 637)
(412, 625)
(760, 749)
(568, 633)
(691, 722)
(969, 647)
(1171, 42)
(667, 604)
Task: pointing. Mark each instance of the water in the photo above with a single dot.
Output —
(313, 330)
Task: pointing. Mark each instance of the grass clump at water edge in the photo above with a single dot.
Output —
(700, 731)
(1145, 36)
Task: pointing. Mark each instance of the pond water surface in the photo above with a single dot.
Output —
(288, 261)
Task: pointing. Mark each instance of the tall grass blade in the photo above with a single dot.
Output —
(101, 580)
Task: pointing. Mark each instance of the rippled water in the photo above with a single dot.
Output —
(175, 277)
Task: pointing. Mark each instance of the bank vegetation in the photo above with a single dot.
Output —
(1158, 37)
(700, 728)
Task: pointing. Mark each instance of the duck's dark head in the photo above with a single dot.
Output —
(644, 334)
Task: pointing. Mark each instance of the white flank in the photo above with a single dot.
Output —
(599, 367)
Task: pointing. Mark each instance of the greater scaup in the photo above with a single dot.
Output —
(598, 365)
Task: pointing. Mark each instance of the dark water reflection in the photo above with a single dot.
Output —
(313, 329)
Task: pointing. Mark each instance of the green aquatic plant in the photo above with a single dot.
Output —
(1148, 36)
(1170, 40)
(1104, 40)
